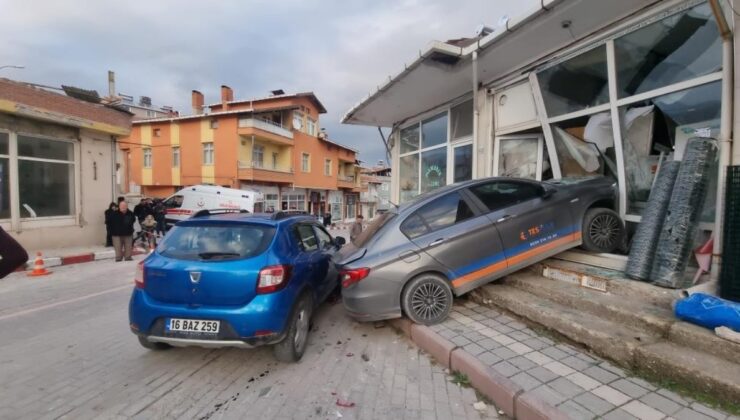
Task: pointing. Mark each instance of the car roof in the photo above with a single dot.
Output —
(270, 219)
(424, 198)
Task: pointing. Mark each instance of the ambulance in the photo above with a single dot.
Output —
(190, 200)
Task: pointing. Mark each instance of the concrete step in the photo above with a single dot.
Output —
(615, 282)
(607, 338)
(641, 315)
(630, 346)
(630, 311)
(695, 369)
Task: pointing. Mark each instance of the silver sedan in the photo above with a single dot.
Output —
(413, 259)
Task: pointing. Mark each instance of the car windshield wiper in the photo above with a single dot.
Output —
(209, 255)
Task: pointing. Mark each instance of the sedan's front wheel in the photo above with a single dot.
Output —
(603, 230)
(427, 299)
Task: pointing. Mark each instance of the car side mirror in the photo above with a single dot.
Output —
(339, 241)
(548, 191)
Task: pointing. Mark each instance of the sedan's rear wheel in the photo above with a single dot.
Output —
(427, 299)
(603, 230)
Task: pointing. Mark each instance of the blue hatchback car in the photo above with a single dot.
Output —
(240, 280)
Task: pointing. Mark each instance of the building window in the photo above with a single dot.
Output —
(294, 202)
(151, 114)
(461, 121)
(208, 153)
(327, 167)
(4, 176)
(271, 203)
(655, 127)
(311, 126)
(176, 157)
(306, 162)
(147, 157)
(298, 121)
(463, 163)
(46, 171)
(578, 83)
(157, 132)
(274, 160)
(672, 50)
(258, 156)
(214, 124)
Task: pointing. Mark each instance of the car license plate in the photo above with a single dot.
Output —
(193, 325)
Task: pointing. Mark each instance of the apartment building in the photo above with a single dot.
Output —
(271, 144)
(376, 195)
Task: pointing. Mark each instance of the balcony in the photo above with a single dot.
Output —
(265, 130)
(257, 171)
(346, 181)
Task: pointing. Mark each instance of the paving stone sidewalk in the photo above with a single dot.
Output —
(582, 385)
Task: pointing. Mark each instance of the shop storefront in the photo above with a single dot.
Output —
(618, 107)
(577, 90)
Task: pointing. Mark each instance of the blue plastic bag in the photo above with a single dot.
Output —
(709, 311)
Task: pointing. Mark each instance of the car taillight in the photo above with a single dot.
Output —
(139, 277)
(273, 278)
(354, 275)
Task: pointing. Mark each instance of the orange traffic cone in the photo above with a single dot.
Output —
(38, 267)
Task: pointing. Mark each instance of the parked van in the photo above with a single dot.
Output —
(190, 200)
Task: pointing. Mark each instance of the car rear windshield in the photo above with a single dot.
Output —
(212, 242)
(373, 228)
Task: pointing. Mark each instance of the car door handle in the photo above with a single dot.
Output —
(505, 217)
(437, 242)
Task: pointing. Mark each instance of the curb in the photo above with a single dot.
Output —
(505, 394)
(50, 262)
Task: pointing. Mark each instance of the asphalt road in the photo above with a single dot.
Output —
(66, 352)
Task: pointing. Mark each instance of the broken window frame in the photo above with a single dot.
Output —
(614, 102)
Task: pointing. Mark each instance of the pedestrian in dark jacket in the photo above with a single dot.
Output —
(12, 254)
(122, 232)
(159, 216)
(112, 208)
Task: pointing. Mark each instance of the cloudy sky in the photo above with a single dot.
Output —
(340, 49)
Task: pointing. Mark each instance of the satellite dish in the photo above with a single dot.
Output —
(503, 20)
(297, 123)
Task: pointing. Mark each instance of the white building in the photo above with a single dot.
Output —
(57, 166)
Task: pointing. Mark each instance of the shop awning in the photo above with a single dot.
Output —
(443, 72)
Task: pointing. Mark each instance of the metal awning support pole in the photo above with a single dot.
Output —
(476, 114)
(725, 131)
(385, 143)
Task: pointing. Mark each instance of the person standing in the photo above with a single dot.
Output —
(112, 208)
(122, 232)
(12, 254)
(356, 229)
(159, 216)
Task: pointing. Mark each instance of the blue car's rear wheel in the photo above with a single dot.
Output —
(291, 349)
(153, 346)
(427, 299)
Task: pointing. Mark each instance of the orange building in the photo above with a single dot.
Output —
(271, 144)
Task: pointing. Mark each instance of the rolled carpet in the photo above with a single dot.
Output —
(682, 218)
(642, 251)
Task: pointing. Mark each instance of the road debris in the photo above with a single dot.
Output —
(345, 403)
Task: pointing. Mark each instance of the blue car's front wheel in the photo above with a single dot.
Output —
(291, 349)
